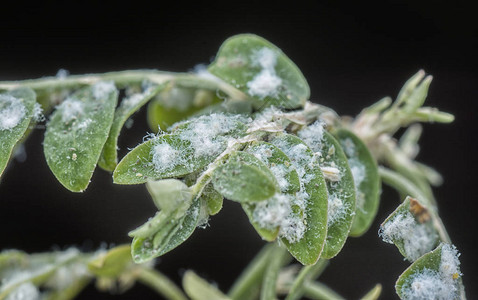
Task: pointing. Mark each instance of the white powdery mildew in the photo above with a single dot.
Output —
(358, 174)
(38, 113)
(266, 83)
(132, 100)
(102, 89)
(337, 209)
(165, 157)
(312, 135)
(417, 238)
(432, 284)
(263, 153)
(206, 135)
(12, 112)
(277, 212)
(26, 291)
(71, 109)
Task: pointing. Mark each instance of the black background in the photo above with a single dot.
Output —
(351, 54)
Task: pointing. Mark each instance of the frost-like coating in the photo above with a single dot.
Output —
(433, 284)
(337, 209)
(165, 157)
(67, 275)
(417, 238)
(38, 113)
(312, 135)
(277, 212)
(133, 100)
(71, 109)
(266, 82)
(102, 89)
(263, 153)
(12, 112)
(206, 134)
(358, 173)
(26, 291)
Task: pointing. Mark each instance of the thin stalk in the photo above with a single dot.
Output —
(161, 284)
(319, 291)
(250, 278)
(274, 264)
(306, 274)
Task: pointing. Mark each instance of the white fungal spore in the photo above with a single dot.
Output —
(439, 284)
(71, 109)
(417, 238)
(312, 135)
(277, 212)
(337, 209)
(165, 157)
(38, 113)
(12, 112)
(358, 174)
(266, 82)
(103, 89)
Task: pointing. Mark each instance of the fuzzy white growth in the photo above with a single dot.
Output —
(268, 120)
(432, 284)
(26, 291)
(38, 113)
(337, 209)
(165, 157)
(280, 172)
(358, 174)
(133, 100)
(71, 109)
(12, 112)
(67, 275)
(349, 147)
(206, 133)
(103, 89)
(266, 83)
(417, 238)
(277, 212)
(312, 135)
(62, 74)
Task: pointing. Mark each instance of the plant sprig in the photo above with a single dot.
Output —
(242, 130)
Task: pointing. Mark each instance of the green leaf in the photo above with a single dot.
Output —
(244, 178)
(112, 263)
(177, 102)
(109, 156)
(340, 186)
(194, 144)
(285, 174)
(199, 289)
(410, 228)
(164, 156)
(212, 199)
(16, 111)
(77, 132)
(260, 69)
(169, 194)
(435, 275)
(367, 181)
(172, 234)
(310, 204)
(374, 293)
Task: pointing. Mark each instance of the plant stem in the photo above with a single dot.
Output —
(307, 273)
(319, 291)
(161, 284)
(250, 279)
(274, 263)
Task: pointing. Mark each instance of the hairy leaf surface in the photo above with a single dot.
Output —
(313, 195)
(367, 181)
(16, 111)
(77, 132)
(261, 70)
